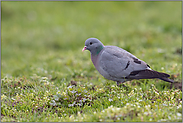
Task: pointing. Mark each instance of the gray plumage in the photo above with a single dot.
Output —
(117, 64)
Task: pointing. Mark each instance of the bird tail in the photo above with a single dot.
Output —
(149, 74)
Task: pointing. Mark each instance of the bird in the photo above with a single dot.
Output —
(117, 64)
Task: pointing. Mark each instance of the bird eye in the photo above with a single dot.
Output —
(91, 43)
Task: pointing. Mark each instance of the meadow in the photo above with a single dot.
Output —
(45, 76)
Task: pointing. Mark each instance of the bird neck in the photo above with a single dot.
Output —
(94, 56)
(94, 59)
(97, 51)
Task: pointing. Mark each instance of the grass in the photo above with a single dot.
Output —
(46, 78)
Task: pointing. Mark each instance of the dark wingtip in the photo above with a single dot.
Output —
(167, 79)
(149, 74)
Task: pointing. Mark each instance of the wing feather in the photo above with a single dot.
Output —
(119, 63)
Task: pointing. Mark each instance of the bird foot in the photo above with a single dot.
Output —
(121, 84)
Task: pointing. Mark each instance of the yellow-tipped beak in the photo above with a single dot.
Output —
(84, 48)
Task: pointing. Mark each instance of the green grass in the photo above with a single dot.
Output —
(42, 61)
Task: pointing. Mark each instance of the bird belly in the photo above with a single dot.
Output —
(108, 76)
(103, 73)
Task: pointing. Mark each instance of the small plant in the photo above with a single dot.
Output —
(72, 96)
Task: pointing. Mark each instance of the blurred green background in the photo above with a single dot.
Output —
(41, 53)
(32, 31)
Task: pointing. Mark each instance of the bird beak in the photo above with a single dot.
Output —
(84, 48)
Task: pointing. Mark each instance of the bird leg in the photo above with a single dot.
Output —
(120, 83)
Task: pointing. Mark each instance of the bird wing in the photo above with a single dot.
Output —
(119, 63)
